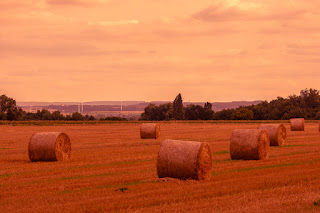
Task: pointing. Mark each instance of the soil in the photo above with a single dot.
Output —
(113, 170)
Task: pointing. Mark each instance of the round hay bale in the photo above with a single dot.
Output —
(49, 146)
(277, 133)
(150, 130)
(184, 160)
(249, 144)
(297, 124)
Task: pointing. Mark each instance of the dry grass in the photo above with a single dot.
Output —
(112, 169)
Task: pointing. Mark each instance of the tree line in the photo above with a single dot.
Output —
(306, 105)
(10, 111)
(176, 111)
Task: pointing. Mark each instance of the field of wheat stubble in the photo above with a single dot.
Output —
(112, 169)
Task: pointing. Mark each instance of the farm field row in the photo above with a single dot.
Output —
(112, 169)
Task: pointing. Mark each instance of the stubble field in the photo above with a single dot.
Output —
(113, 170)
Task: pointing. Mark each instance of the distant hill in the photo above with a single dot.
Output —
(126, 105)
(34, 103)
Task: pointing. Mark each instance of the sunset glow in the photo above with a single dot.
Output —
(148, 50)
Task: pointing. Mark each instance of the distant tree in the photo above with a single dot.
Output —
(114, 118)
(166, 111)
(89, 118)
(150, 113)
(7, 103)
(56, 115)
(76, 116)
(15, 114)
(242, 113)
(9, 110)
(225, 114)
(310, 98)
(191, 112)
(197, 112)
(157, 113)
(208, 112)
(178, 109)
(46, 115)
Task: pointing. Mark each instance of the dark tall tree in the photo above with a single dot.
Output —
(178, 109)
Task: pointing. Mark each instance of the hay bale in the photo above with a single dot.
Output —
(49, 146)
(277, 133)
(150, 130)
(249, 144)
(184, 160)
(297, 124)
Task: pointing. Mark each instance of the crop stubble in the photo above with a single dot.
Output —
(112, 169)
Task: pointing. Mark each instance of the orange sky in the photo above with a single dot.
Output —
(91, 50)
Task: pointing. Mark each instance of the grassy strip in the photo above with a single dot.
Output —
(90, 176)
(115, 164)
(107, 186)
(255, 168)
(58, 123)
(265, 167)
(291, 153)
(221, 152)
(223, 161)
(77, 167)
(291, 145)
(4, 148)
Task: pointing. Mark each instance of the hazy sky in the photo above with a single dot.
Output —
(91, 50)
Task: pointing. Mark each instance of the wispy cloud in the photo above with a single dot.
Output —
(75, 2)
(113, 23)
(249, 11)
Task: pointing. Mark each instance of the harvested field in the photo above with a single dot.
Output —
(113, 170)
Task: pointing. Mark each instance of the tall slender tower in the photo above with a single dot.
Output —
(82, 107)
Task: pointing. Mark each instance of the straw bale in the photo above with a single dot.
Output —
(249, 144)
(150, 131)
(297, 124)
(184, 160)
(277, 133)
(49, 146)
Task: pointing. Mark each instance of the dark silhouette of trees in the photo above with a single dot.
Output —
(197, 112)
(9, 110)
(242, 113)
(306, 105)
(157, 113)
(178, 109)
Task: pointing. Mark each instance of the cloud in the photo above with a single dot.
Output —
(249, 11)
(75, 2)
(219, 13)
(58, 49)
(304, 49)
(113, 23)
